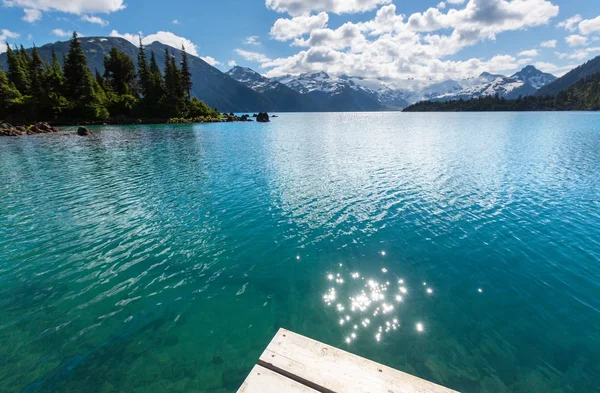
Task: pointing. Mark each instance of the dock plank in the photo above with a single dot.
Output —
(262, 380)
(328, 369)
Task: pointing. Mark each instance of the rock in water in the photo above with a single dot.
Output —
(82, 131)
(263, 117)
(39, 128)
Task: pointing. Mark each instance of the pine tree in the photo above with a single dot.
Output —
(17, 74)
(85, 95)
(9, 96)
(75, 70)
(170, 76)
(54, 76)
(156, 89)
(53, 86)
(119, 72)
(36, 73)
(143, 71)
(186, 75)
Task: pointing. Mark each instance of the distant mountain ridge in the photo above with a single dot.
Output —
(345, 93)
(288, 100)
(585, 70)
(521, 84)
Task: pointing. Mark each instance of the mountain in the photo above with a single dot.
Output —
(209, 84)
(286, 99)
(523, 83)
(332, 93)
(583, 95)
(589, 68)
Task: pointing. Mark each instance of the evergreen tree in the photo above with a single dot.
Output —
(85, 95)
(156, 89)
(54, 76)
(9, 96)
(143, 71)
(17, 73)
(76, 70)
(53, 84)
(99, 78)
(36, 73)
(171, 81)
(186, 75)
(119, 72)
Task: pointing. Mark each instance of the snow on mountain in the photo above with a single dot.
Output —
(316, 81)
(534, 77)
(396, 95)
(252, 79)
(523, 83)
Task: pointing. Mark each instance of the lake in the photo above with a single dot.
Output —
(461, 248)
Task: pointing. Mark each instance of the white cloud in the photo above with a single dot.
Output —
(286, 29)
(253, 56)
(549, 44)
(4, 36)
(580, 54)
(252, 40)
(553, 68)
(231, 63)
(456, 1)
(31, 15)
(61, 33)
(590, 26)
(301, 7)
(165, 37)
(576, 40)
(571, 23)
(175, 22)
(33, 8)
(394, 47)
(528, 53)
(441, 5)
(69, 6)
(211, 60)
(94, 19)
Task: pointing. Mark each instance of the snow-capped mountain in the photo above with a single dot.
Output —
(316, 81)
(351, 93)
(373, 90)
(281, 96)
(523, 83)
(252, 79)
(534, 77)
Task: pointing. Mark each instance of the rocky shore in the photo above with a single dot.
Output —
(38, 128)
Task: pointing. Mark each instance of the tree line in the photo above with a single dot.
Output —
(583, 95)
(32, 91)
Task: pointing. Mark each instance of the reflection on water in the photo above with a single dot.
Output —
(152, 259)
(370, 307)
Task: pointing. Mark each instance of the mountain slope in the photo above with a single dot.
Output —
(589, 68)
(521, 84)
(334, 94)
(209, 84)
(583, 95)
(281, 96)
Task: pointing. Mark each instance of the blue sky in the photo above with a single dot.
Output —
(389, 39)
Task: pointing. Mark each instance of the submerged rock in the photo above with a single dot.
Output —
(263, 117)
(83, 131)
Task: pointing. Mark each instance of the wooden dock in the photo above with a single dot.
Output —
(296, 364)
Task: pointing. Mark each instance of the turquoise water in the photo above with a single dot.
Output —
(464, 247)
